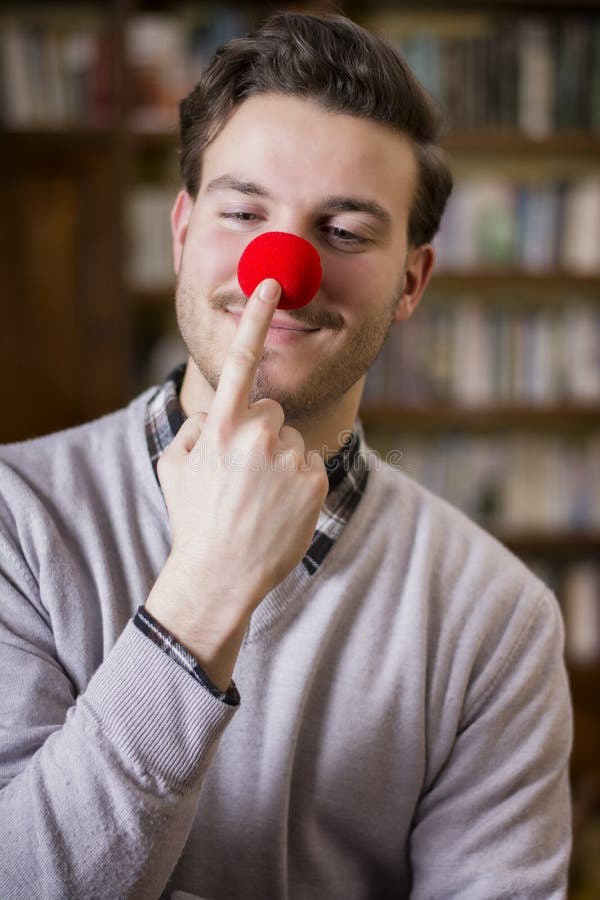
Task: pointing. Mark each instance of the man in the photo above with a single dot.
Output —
(404, 727)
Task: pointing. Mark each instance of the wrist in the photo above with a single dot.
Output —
(207, 625)
(149, 626)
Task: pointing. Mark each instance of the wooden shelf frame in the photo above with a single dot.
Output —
(562, 417)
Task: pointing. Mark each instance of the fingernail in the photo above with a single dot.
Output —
(269, 291)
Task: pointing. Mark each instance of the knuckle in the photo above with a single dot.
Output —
(292, 436)
(269, 406)
(318, 476)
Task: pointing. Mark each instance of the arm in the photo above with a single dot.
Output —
(495, 820)
(243, 499)
(100, 790)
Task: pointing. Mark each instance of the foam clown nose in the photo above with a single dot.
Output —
(287, 258)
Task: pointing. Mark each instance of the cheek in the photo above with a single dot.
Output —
(356, 282)
(211, 258)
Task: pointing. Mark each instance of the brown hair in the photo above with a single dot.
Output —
(343, 67)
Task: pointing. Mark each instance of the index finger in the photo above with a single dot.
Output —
(242, 358)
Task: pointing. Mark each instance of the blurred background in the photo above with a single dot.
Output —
(490, 395)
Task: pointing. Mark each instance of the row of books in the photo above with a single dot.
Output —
(509, 482)
(474, 352)
(166, 53)
(536, 74)
(55, 76)
(56, 69)
(491, 221)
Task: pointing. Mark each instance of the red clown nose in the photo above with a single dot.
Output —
(287, 258)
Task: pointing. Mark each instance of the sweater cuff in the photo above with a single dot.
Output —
(153, 630)
(158, 718)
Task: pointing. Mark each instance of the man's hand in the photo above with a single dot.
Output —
(243, 500)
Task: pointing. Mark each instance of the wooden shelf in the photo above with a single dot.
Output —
(504, 278)
(493, 141)
(518, 7)
(60, 137)
(568, 545)
(155, 141)
(488, 418)
(585, 681)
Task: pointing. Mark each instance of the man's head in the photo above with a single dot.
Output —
(316, 128)
(345, 69)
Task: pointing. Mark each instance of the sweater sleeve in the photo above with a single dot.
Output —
(495, 820)
(98, 790)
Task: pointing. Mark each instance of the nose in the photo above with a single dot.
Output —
(293, 261)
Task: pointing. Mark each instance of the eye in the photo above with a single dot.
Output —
(345, 239)
(239, 216)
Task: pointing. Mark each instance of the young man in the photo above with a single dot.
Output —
(405, 726)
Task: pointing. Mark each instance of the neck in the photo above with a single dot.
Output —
(323, 433)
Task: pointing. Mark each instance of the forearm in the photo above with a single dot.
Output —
(119, 782)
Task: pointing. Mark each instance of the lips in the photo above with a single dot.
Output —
(279, 322)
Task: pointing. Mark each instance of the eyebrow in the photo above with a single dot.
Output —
(358, 204)
(231, 183)
(333, 203)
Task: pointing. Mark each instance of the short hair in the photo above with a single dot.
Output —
(343, 67)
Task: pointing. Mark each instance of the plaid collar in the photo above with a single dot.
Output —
(347, 471)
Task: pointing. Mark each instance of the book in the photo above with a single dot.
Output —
(536, 78)
(580, 597)
(580, 246)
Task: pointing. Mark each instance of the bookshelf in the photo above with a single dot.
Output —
(89, 163)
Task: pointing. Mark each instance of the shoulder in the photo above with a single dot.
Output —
(434, 528)
(467, 589)
(59, 462)
(60, 490)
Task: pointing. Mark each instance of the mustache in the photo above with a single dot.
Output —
(311, 318)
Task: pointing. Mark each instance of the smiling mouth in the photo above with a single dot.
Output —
(278, 324)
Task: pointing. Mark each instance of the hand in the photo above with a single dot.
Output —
(243, 499)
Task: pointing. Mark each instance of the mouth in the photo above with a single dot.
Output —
(279, 322)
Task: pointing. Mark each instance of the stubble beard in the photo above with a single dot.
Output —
(331, 376)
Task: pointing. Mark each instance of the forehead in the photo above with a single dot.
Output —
(302, 152)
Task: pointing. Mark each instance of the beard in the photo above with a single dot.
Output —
(331, 375)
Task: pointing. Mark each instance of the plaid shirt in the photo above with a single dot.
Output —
(347, 472)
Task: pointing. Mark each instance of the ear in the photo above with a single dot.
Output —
(180, 218)
(419, 266)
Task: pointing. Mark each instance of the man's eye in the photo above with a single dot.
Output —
(239, 216)
(344, 237)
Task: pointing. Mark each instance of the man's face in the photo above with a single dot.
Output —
(343, 183)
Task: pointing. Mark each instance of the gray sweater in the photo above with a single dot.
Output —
(404, 727)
